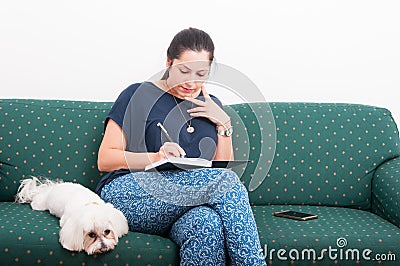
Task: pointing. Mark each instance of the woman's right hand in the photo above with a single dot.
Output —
(112, 155)
(171, 149)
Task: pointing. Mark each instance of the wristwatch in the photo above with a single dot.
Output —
(227, 132)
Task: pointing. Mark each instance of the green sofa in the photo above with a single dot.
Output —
(339, 161)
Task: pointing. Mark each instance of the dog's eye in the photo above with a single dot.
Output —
(92, 235)
(107, 231)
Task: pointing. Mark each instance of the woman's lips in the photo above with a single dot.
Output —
(187, 90)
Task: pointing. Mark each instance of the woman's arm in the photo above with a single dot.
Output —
(112, 155)
(224, 150)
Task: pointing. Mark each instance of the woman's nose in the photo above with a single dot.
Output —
(190, 83)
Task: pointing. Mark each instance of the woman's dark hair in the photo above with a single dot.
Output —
(189, 39)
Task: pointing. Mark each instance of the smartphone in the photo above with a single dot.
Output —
(301, 216)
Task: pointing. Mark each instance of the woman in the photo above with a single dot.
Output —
(219, 227)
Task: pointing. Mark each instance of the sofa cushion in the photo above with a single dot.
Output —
(336, 227)
(326, 154)
(29, 237)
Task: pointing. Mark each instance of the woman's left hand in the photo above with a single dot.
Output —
(209, 109)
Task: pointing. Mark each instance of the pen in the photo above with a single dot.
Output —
(167, 135)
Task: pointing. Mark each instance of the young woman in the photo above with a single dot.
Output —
(214, 227)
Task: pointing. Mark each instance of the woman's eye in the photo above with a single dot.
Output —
(202, 73)
(184, 72)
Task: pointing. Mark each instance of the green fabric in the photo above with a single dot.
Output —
(29, 237)
(360, 229)
(55, 139)
(326, 154)
(386, 192)
(302, 153)
(254, 139)
(337, 157)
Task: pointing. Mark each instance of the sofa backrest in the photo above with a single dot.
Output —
(301, 153)
(325, 154)
(49, 138)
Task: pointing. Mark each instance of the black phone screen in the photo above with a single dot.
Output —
(296, 215)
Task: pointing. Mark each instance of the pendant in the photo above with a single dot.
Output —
(190, 129)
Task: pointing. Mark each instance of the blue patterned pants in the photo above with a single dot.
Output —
(204, 211)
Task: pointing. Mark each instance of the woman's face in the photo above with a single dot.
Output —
(188, 73)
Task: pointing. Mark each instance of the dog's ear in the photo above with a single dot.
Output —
(71, 234)
(118, 220)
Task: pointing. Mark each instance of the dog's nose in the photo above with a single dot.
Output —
(103, 248)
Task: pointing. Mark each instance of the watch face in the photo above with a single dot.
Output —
(228, 132)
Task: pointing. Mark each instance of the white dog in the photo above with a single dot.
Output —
(87, 222)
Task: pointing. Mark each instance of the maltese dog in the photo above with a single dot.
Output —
(87, 222)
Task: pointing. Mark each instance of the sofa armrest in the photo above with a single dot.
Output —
(386, 191)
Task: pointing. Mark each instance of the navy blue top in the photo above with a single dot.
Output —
(141, 106)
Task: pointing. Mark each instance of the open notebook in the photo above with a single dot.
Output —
(176, 163)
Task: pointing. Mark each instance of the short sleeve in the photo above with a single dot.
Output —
(118, 109)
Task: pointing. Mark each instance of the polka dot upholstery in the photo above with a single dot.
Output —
(326, 154)
(31, 238)
(339, 161)
(59, 140)
(360, 229)
(55, 139)
(386, 192)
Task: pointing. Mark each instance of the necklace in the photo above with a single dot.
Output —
(189, 128)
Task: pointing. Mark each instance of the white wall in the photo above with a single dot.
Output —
(321, 51)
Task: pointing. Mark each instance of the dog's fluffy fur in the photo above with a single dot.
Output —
(87, 222)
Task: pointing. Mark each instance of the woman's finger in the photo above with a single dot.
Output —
(181, 152)
(196, 109)
(170, 151)
(195, 101)
(200, 114)
(204, 91)
(173, 149)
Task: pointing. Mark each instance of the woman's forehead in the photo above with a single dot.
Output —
(194, 58)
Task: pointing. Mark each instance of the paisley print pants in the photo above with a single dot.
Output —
(205, 211)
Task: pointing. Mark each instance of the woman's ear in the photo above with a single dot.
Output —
(169, 62)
